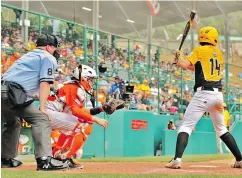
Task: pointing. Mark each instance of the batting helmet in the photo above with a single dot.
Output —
(208, 35)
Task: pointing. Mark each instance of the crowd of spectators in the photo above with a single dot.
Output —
(173, 97)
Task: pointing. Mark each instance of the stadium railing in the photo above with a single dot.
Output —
(127, 58)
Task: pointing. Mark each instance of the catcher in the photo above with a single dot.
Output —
(71, 118)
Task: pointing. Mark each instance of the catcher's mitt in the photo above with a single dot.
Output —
(113, 105)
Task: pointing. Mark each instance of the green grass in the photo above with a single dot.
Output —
(31, 174)
(186, 158)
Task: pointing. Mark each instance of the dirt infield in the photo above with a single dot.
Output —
(204, 168)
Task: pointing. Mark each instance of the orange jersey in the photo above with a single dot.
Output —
(3, 61)
(70, 99)
(11, 60)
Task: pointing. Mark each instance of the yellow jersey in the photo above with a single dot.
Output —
(144, 87)
(209, 63)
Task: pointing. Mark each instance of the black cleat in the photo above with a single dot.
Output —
(72, 163)
(10, 163)
(50, 164)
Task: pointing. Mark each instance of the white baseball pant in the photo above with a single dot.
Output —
(204, 101)
(65, 122)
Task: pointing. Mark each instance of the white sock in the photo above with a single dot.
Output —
(178, 159)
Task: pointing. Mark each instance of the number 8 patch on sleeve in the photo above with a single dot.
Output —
(49, 71)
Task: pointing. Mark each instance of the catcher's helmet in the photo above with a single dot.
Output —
(208, 35)
(83, 73)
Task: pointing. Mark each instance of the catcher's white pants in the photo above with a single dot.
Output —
(65, 122)
(204, 101)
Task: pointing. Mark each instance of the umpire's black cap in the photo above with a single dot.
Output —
(45, 39)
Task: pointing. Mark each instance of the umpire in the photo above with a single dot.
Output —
(30, 75)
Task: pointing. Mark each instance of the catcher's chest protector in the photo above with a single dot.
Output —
(68, 95)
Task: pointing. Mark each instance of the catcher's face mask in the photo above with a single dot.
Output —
(56, 54)
(57, 44)
(91, 81)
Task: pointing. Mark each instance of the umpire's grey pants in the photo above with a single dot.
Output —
(41, 128)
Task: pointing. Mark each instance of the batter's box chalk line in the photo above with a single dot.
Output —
(193, 171)
(152, 171)
(204, 166)
(166, 169)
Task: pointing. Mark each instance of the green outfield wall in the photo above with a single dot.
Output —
(136, 133)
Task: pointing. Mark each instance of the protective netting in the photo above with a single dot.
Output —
(130, 60)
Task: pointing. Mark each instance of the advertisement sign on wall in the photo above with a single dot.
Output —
(139, 125)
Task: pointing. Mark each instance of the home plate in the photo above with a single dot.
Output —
(205, 166)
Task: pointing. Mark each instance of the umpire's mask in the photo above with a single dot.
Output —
(52, 40)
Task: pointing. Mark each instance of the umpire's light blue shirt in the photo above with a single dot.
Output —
(32, 68)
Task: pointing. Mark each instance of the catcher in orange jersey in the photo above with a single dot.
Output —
(70, 116)
(207, 61)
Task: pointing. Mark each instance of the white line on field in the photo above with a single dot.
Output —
(152, 171)
(205, 166)
(166, 169)
(193, 170)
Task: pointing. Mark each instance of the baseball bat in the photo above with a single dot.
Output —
(187, 28)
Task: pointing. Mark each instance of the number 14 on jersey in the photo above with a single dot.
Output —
(214, 66)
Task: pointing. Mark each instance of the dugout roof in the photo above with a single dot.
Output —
(115, 13)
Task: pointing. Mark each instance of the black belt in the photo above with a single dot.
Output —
(3, 82)
(7, 82)
(209, 89)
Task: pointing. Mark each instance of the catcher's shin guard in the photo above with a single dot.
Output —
(55, 134)
(78, 141)
(64, 142)
(59, 144)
